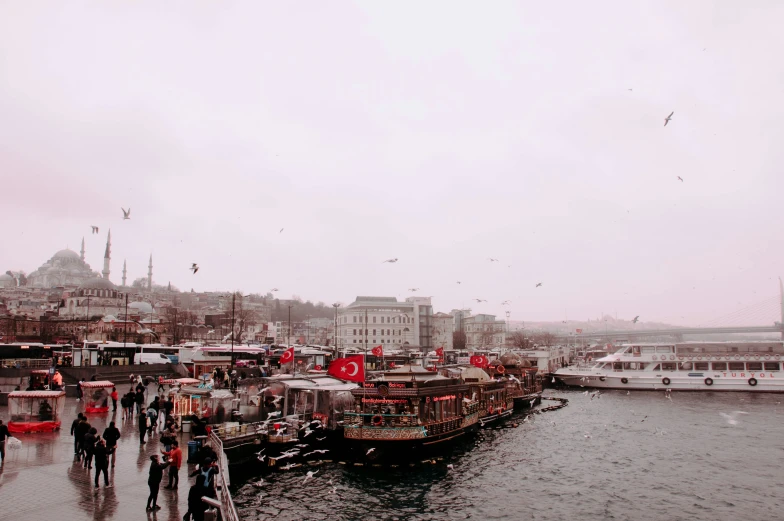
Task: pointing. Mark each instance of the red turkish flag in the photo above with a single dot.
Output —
(351, 368)
(378, 351)
(287, 356)
(440, 351)
(479, 361)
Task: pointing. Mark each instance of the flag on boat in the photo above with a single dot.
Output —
(287, 356)
(479, 361)
(378, 351)
(579, 330)
(351, 368)
(440, 351)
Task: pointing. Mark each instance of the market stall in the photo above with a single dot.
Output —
(39, 380)
(96, 396)
(35, 411)
(204, 406)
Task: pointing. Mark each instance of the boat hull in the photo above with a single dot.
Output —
(698, 381)
(404, 450)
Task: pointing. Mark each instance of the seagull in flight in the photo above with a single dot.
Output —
(391, 261)
(538, 284)
(479, 300)
(680, 179)
(281, 230)
(668, 118)
(371, 449)
(126, 214)
(273, 290)
(493, 260)
(194, 268)
(95, 229)
(505, 303)
(731, 417)
(310, 475)
(413, 289)
(634, 321)
(459, 282)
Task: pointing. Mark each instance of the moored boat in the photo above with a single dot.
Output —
(685, 366)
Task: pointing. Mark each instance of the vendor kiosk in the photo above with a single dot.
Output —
(96, 396)
(35, 411)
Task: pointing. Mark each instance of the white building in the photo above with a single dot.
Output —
(371, 321)
(443, 327)
(483, 331)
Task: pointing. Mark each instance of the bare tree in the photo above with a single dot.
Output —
(459, 340)
(543, 338)
(243, 316)
(520, 340)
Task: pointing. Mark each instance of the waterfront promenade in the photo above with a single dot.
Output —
(43, 481)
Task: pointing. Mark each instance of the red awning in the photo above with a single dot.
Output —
(36, 394)
(97, 385)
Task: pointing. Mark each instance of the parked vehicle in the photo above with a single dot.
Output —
(150, 358)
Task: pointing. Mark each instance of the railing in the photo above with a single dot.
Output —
(222, 482)
(443, 426)
(387, 420)
(27, 363)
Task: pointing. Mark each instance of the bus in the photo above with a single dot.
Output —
(25, 354)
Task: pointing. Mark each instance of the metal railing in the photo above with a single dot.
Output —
(222, 482)
(27, 363)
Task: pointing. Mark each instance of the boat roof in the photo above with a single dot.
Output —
(36, 394)
(410, 373)
(211, 393)
(327, 383)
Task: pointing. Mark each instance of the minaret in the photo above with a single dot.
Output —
(107, 256)
(149, 275)
(125, 271)
(82, 249)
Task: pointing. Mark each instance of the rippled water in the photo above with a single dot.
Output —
(684, 461)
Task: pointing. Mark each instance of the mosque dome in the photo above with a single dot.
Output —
(141, 307)
(66, 254)
(98, 283)
(7, 281)
(109, 318)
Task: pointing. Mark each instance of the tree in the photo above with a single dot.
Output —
(459, 340)
(520, 340)
(543, 338)
(243, 316)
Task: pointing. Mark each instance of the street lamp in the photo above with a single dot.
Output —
(288, 343)
(335, 331)
(233, 301)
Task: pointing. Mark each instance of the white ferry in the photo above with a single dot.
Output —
(687, 366)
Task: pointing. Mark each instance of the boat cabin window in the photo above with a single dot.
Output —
(665, 349)
(719, 366)
(617, 366)
(669, 366)
(737, 366)
(754, 366)
(701, 366)
(771, 366)
(657, 367)
(648, 349)
(686, 366)
(636, 350)
(633, 366)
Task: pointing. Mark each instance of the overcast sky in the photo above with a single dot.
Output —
(440, 133)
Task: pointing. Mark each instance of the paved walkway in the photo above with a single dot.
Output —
(42, 481)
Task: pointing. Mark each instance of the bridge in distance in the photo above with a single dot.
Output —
(675, 333)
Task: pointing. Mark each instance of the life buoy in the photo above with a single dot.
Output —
(767, 357)
(377, 420)
(756, 357)
(727, 357)
(654, 357)
(745, 357)
(690, 357)
(490, 409)
(680, 357)
(737, 357)
(666, 381)
(752, 382)
(317, 368)
(427, 399)
(709, 381)
(500, 369)
(778, 357)
(699, 358)
(602, 378)
(672, 357)
(624, 380)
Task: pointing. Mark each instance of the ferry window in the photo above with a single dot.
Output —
(657, 367)
(686, 366)
(636, 350)
(669, 366)
(771, 366)
(617, 366)
(754, 366)
(719, 366)
(648, 349)
(701, 366)
(664, 349)
(737, 366)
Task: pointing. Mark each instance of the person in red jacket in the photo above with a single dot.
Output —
(175, 458)
(114, 396)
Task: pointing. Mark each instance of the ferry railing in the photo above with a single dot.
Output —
(222, 481)
(365, 419)
(443, 426)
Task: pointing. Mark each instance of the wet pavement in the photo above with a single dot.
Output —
(42, 480)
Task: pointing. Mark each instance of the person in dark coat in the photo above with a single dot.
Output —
(110, 435)
(130, 399)
(139, 399)
(82, 428)
(205, 476)
(79, 392)
(79, 418)
(89, 447)
(142, 421)
(4, 434)
(154, 481)
(101, 452)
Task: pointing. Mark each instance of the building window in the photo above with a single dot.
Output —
(355, 319)
(374, 320)
(355, 332)
(387, 332)
(374, 334)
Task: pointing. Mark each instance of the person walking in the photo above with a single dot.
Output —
(79, 432)
(154, 481)
(3, 436)
(89, 447)
(79, 418)
(175, 459)
(196, 506)
(114, 396)
(101, 452)
(139, 399)
(110, 435)
(79, 392)
(130, 399)
(152, 417)
(142, 421)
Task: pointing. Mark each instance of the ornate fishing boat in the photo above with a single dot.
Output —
(408, 413)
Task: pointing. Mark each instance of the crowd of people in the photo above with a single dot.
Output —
(99, 450)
